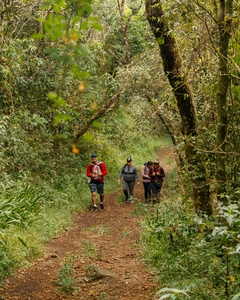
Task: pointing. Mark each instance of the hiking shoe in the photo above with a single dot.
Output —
(94, 207)
(101, 206)
(130, 199)
(134, 200)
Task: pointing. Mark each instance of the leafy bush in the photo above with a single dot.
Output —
(21, 206)
(65, 279)
(192, 253)
(7, 260)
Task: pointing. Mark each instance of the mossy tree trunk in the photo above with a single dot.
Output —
(224, 22)
(173, 69)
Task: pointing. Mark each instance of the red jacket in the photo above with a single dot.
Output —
(93, 170)
(156, 174)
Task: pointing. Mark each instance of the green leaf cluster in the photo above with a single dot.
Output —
(194, 254)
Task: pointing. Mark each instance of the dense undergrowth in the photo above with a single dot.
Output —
(193, 256)
(51, 88)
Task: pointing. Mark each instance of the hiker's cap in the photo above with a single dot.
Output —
(94, 155)
(129, 159)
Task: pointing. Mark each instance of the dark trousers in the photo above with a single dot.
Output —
(128, 188)
(155, 188)
(147, 193)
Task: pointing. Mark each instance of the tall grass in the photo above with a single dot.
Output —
(30, 216)
(21, 206)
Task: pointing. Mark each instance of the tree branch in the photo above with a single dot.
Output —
(98, 114)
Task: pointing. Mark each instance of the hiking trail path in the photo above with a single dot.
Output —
(104, 244)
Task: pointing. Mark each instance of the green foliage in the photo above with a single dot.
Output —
(21, 206)
(8, 261)
(57, 69)
(90, 251)
(65, 279)
(173, 294)
(90, 271)
(196, 255)
(32, 216)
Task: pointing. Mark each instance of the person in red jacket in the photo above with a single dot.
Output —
(96, 171)
(156, 173)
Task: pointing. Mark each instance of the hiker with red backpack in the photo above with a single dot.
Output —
(96, 171)
(156, 173)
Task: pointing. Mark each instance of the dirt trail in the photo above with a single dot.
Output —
(104, 242)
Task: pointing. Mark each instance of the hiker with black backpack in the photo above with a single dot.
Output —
(96, 171)
(146, 180)
(130, 176)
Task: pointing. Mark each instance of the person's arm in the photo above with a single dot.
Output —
(121, 174)
(136, 175)
(151, 173)
(103, 169)
(144, 175)
(162, 172)
(88, 171)
(143, 171)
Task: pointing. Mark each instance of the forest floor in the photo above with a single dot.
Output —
(103, 248)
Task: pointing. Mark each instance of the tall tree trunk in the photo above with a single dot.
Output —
(182, 91)
(121, 7)
(224, 21)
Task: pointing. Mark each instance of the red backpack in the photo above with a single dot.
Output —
(95, 169)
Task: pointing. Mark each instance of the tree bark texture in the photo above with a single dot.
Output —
(224, 22)
(182, 91)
